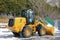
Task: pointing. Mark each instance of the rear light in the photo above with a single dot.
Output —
(11, 22)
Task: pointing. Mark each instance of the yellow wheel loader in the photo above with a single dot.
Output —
(27, 25)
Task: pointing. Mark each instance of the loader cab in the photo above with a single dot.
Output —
(29, 15)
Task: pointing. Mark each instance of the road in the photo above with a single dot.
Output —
(6, 34)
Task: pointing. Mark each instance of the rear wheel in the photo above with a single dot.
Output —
(27, 32)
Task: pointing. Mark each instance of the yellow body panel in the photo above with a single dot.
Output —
(19, 23)
(50, 30)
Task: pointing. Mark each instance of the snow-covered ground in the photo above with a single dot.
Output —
(6, 34)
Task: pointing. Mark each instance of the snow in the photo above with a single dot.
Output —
(3, 24)
(6, 34)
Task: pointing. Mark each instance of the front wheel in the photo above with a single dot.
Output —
(41, 31)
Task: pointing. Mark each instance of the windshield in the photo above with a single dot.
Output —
(30, 14)
(27, 13)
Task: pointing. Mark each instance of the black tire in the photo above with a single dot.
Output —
(24, 32)
(20, 34)
(40, 33)
(16, 34)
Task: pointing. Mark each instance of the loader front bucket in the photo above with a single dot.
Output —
(50, 30)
